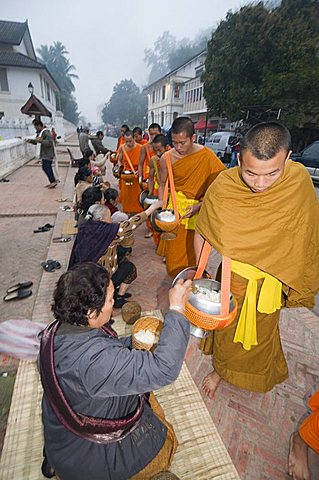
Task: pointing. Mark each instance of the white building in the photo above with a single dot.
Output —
(180, 92)
(19, 67)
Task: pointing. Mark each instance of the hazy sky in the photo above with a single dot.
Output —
(106, 40)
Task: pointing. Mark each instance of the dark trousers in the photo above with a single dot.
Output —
(47, 168)
(126, 273)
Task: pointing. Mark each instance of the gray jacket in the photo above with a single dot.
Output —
(102, 377)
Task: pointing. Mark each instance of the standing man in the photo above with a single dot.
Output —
(194, 167)
(138, 136)
(84, 140)
(120, 140)
(264, 215)
(97, 143)
(128, 156)
(147, 152)
(47, 151)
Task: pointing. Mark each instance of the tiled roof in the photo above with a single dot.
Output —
(16, 59)
(12, 32)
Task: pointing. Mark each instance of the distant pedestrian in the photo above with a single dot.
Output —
(84, 140)
(235, 149)
(47, 151)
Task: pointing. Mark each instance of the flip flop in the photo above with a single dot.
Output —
(17, 295)
(61, 239)
(19, 286)
(41, 229)
(67, 208)
(55, 263)
(48, 267)
(48, 225)
(4, 180)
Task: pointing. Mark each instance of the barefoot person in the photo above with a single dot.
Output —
(264, 215)
(99, 420)
(194, 168)
(307, 436)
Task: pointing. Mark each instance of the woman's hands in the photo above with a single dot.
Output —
(178, 295)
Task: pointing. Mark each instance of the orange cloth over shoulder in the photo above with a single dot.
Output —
(120, 141)
(309, 430)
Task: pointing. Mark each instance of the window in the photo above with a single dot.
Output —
(162, 119)
(176, 91)
(3, 80)
(311, 151)
(152, 116)
(163, 92)
(153, 97)
(1, 115)
(175, 115)
(217, 138)
(41, 84)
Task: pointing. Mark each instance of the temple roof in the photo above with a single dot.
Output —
(35, 107)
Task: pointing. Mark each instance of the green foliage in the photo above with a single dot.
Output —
(261, 56)
(169, 54)
(54, 57)
(126, 105)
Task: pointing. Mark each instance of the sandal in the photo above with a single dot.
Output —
(41, 229)
(48, 267)
(55, 263)
(17, 295)
(48, 225)
(19, 286)
(61, 239)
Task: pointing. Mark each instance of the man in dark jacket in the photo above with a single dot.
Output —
(47, 151)
(97, 143)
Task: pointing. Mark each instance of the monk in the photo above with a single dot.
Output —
(128, 156)
(138, 136)
(195, 167)
(147, 152)
(264, 215)
(160, 146)
(307, 436)
(120, 140)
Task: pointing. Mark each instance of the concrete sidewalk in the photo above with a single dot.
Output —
(255, 428)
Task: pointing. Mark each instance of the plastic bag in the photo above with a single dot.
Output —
(20, 338)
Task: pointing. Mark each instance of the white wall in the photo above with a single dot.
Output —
(13, 154)
(18, 81)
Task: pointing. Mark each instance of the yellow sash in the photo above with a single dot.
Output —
(182, 203)
(269, 301)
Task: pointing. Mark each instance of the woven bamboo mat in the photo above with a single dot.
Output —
(22, 450)
(68, 227)
(201, 454)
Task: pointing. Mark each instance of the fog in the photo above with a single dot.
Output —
(106, 41)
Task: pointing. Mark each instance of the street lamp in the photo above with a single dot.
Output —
(31, 88)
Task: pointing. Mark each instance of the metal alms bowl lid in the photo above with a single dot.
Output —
(142, 197)
(188, 274)
(206, 305)
(153, 223)
(150, 199)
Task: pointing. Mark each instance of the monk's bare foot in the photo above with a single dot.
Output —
(298, 467)
(210, 384)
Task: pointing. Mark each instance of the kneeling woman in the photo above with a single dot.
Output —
(98, 422)
(98, 240)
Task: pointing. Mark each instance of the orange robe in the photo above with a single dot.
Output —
(276, 231)
(120, 141)
(309, 430)
(129, 187)
(149, 152)
(193, 174)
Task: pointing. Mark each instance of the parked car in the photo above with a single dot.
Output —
(309, 157)
(220, 143)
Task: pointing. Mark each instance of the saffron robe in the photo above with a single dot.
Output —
(129, 187)
(276, 231)
(193, 174)
(309, 430)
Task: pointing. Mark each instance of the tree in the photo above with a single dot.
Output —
(126, 105)
(266, 56)
(169, 54)
(54, 57)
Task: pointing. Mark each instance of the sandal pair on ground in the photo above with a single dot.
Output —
(18, 291)
(44, 228)
(51, 265)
